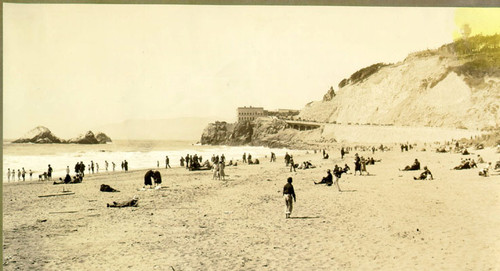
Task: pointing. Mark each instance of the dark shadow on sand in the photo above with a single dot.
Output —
(348, 190)
(304, 217)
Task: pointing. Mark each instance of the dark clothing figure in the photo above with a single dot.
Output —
(357, 164)
(125, 164)
(167, 162)
(49, 173)
(244, 157)
(182, 161)
(415, 166)
(129, 203)
(107, 188)
(424, 175)
(328, 180)
(147, 177)
(292, 165)
(287, 159)
(342, 153)
(289, 196)
(157, 177)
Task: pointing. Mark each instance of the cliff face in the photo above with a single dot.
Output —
(267, 131)
(39, 135)
(457, 85)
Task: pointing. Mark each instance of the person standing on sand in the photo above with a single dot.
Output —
(92, 166)
(89, 168)
(113, 163)
(221, 170)
(18, 175)
(292, 164)
(182, 161)
(125, 164)
(106, 164)
(357, 164)
(67, 169)
(342, 153)
(287, 159)
(49, 173)
(8, 175)
(167, 162)
(13, 175)
(23, 173)
(288, 194)
(97, 167)
(244, 157)
(31, 175)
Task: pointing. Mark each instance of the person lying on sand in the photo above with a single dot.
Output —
(415, 166)
(466, 164)
(328, 180)
(306, 165)
(107, 188)
(424, 175)
(134, 202)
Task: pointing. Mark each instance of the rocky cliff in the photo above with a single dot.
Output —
(42, 135)
(267, 131)
(457, 85)
(39, 135)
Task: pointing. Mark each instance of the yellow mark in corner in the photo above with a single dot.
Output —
(476, 21)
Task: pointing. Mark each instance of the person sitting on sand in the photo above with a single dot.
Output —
(328, 180)
(346, 169)
(147, 179)
(415, 166)
(129, 203)
(480, 159)
(66, 180)
(424, 175)
(157, 178)
(485, 172)
(465, 152)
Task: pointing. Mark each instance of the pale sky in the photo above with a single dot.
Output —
(74, 67)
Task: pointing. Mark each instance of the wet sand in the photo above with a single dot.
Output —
(385, 221)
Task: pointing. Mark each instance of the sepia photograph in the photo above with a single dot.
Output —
(250, 137)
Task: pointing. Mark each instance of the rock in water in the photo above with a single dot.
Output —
(88, 138)
(102, 138)
(40, 135)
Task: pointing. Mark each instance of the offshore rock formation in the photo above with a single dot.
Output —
(455, 86)
(42, 135)
(102, 138)
(39, 135)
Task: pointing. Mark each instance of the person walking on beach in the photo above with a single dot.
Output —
(8, 175)
(288, 195)
(357, 164)
(342, 153)
(31, 175)
(167, 162)
(106, 164)
(114, 165)
(49, 173)
(287, 159)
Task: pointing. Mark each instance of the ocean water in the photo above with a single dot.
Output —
(140, 154)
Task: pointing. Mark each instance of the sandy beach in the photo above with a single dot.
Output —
(385, 221)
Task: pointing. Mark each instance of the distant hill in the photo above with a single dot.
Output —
(456, 85)
(185, 128)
